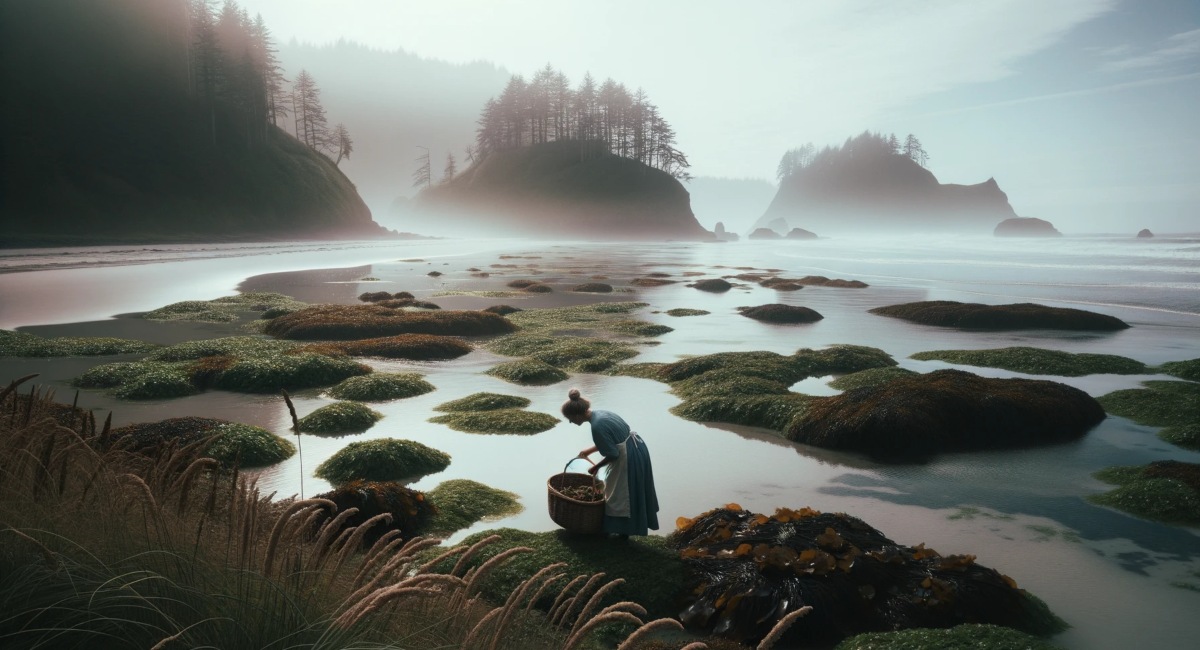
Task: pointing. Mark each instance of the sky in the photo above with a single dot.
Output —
(1084, 111)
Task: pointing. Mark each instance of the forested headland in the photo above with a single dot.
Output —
(596, 162)
(153, 120)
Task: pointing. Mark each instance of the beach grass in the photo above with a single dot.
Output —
(462, 502)
(22, 344)
(385, 459)
(504, 420)
(381, 387)
(483, 402)
(1038, 361)
(340, 417)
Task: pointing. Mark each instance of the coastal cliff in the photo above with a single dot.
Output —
(116, 139)
(560, 189)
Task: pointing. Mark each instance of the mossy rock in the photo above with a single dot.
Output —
(286, 371)
(681, 312)
(381, 387)
(1189, 370)
(593, 287)
(410, 510)
(401, 303)
(750, 569)
(578, 354)
(1038, 361)
(529, 372)
(1166, 491)
(946, 410)
(648, 370)
(508, 420)
(778, 313)
(1174, 405)
(869, 377)
(577, 318)
(712, 285)
(502, 310)
(1020, 316)
(417, 347)
(840, 358)
(21, 344)
(521, 283)
(140, 379)
(461, 503)
(651, 282)
(483, 402)
(229, 346)
(653, 573)
(223, 310)
(229, 442)
(639, 328)
(340, 417)
(774, 412)
(357, 322)
(973, 636)
(385, 459)
(539, 288)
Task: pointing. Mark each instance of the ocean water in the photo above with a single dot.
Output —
(1118, 580)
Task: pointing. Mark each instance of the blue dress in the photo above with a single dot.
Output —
(632, 505)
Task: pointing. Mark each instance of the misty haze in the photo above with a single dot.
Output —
(560, 325)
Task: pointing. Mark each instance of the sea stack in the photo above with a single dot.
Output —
(1026, 227)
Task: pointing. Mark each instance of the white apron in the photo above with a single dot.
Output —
(616, 481)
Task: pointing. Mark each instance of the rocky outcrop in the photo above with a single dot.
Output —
(878, 190)
(800, 233)
(722, 234)
(764, 233)
(561, 189)
(1145, 233)
(1026, 227)
(1017, 316)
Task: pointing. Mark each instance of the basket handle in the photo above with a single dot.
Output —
(594, 479)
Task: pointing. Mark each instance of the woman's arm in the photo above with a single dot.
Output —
(587, 452)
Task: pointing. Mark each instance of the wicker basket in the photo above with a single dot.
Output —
(586, 517)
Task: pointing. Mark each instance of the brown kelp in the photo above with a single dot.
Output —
(751, 570)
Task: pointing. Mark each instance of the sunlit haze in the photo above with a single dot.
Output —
(1083, 110)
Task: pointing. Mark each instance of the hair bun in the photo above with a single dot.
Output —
(573, 393)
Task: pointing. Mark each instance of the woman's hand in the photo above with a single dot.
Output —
(593, 469)
(584, 454)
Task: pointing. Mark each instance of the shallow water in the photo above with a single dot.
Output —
(1022, 512)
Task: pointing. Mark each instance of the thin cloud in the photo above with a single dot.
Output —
(1158, 81)
(1176, 48)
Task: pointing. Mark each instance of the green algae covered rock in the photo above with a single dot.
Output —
(1037, 361)
(1165, 490)
(386, 459)
(226, 309)
(340, 417)
(510, 420)
(1021, 316)
(1189, 370)
(869, 377)
(483, 402)
(529, 372)
(462, 502)
(21, 344)
(381, 387)
(1174, 405)
(228, 442)
(971, 636)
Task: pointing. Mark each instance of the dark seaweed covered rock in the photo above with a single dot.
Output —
(409, 510)
(354, 322)
(383, 459)
(418, 347)
(946, 410)
(228, 442)
(750, 570)
(777, 313)
(503, 310)
(712, 285)
(1019, 316)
